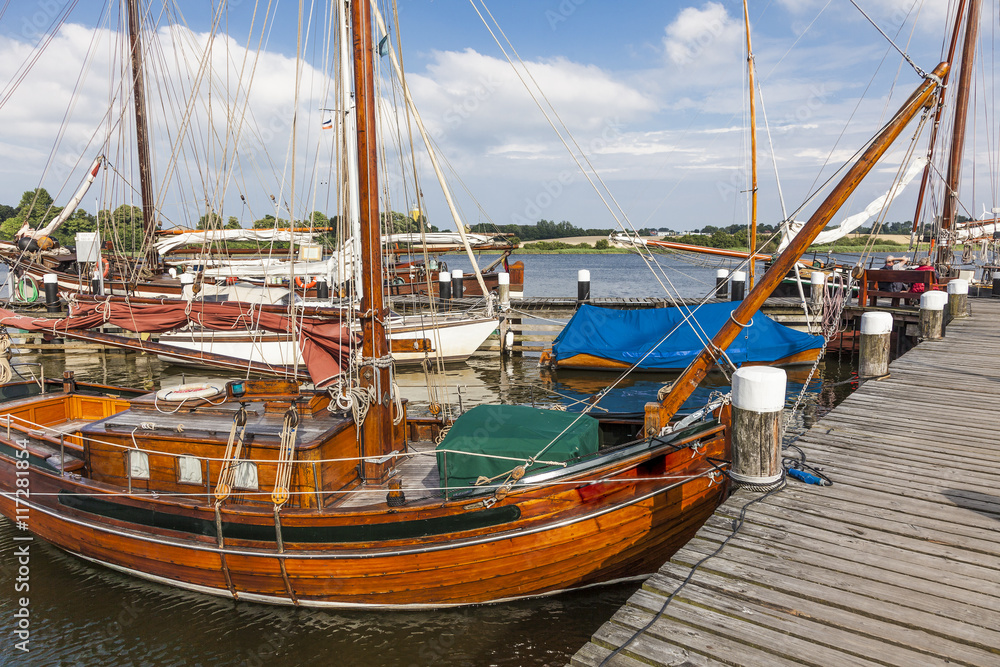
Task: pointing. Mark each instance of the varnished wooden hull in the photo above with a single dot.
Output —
(537, 541)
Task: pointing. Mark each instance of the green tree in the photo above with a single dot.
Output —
(35, 207)
(80, 221)
(602, 244)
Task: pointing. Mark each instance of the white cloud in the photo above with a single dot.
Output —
(703, 38)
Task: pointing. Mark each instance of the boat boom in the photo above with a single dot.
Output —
(659, 414)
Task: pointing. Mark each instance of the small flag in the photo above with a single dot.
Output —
(328, 124)
(383, 46)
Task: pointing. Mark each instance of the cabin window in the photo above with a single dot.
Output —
(138, 463)
(246, 476)
(189, 470)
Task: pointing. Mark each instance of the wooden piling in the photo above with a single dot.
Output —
(932, 315)
(817, 286)
(958, 299)
(758, 404)
(876, 331)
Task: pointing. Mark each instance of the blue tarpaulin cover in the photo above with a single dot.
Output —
(627, 335)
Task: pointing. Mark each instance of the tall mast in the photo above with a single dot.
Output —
(658, 414)
(937, 119)
(376, 435)
(142, 136)
(958, 130)
(753, 154)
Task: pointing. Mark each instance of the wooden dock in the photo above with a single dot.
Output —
(897, 563)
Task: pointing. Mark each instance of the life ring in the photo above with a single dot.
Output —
(301, 284)
(107, 267)
(185, 392)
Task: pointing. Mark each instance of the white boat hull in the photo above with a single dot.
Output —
(450, 339)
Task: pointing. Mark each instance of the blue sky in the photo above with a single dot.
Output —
(653, 92)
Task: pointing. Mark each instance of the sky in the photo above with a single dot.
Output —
(652, 95)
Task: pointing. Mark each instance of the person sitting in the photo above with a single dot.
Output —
(892, 264)
(923, 265)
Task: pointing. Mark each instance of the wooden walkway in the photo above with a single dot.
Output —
(898, 563)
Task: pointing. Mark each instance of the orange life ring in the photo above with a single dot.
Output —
(107, 267)
(301, 284)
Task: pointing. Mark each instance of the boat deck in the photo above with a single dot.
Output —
(418, 473)
(897, 563)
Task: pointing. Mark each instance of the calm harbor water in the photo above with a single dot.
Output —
(86, 615)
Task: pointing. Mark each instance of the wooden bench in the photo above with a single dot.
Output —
(869, 292)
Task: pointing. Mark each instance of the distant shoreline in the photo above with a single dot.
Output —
(852, 249)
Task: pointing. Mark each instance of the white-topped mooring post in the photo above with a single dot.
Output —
(503, 290)
(958, 299)
(721, 283)
(817, 286)
(51, 281)
(932, 314)
(444, 285)
(876, 332)
(457, 284)
(582, 287)
(758, 405)
(739, 288)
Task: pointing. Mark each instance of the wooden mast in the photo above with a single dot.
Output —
(751, 268)
(658, 414)
(376, 434)
(958, 131)
(937, 120)
(142, 137)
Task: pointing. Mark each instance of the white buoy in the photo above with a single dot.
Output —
(817, 286)
(503, 290)
(758, 404)
(876, 332)
(932, 314)
(739, 289)
(958, 299)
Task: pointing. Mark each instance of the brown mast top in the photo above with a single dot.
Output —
(658, 415)
(958, 129)
(377, 427)
(925, 177)
(149, 223)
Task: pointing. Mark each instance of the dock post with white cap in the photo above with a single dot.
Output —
(457, 284)
(876, 330)
(721, 283)
(932, 315)
(758, 406)
(582, 287)
(503, 290)
(739, 288)
(444, 285)
(51, 281)
(817, 286)
(958, 299)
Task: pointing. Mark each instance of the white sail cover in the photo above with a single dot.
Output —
(203, 236)
(437, 239)
(851, 223)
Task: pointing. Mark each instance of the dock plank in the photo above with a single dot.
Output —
(897, 564)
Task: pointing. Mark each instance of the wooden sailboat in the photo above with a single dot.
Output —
(259, 492)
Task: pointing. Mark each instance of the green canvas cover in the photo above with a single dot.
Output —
(515, 431)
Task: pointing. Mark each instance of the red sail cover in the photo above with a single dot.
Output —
(325, 344)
